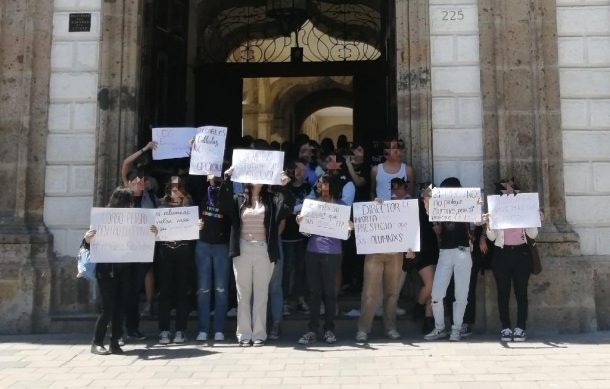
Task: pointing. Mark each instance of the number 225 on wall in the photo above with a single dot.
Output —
(453, 15)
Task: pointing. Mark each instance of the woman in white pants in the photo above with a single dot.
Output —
(454, 260)
(254, 246)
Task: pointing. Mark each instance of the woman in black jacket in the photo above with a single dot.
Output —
(255, 216)
(113, 280)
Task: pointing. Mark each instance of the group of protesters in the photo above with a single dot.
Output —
(253, 229)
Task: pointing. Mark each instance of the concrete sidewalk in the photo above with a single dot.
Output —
(62, 361)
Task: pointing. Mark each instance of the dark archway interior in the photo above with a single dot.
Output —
(186, 66)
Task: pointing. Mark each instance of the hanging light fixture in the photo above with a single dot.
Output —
(289, 14)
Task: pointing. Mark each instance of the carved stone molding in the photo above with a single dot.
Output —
(118, 91)
(521, 108)
(413, 87)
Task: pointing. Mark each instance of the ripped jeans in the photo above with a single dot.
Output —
(212, 259)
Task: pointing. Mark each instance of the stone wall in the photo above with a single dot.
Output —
(456, 91)
(584, 59)
(72, 122)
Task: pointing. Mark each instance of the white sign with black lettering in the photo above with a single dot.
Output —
(456, 205)
(208, 151)
(257, 166)
(173, 142)
(122, 235)
(514, 211)
(388, 227)
(177, 223)
(325, 219)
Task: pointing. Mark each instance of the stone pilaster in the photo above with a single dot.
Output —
(25, 45)
(118, 91)
(521, 108)
(413, 88)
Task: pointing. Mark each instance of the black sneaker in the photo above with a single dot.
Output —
(466, 330)
(303, 308)
(135, 334)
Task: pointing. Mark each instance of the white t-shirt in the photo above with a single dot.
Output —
(383, 179)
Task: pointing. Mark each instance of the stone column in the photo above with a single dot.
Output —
(413, 88)
(25, 46)
(118, 91)
(521, 108)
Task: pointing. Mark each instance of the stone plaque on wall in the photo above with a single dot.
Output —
(80, 22)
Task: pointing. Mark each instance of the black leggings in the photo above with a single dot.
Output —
(174, 268)
(511, 266)
(322, 272)
(114, 290)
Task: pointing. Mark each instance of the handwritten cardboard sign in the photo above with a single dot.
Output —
(389, 227)
(208, 151)
(514, 211)
(257, 166)
(172, 142)
(325, 219)
(455, 205)
(123, 235)
(177, 223)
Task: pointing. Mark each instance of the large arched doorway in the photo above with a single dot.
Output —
(261, 67)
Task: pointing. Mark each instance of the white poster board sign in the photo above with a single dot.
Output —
(514, 211)
(389, 227)
(456, 205)
(122, 235)
(257, 166)
(325, 219)
(208, 151)
(172, 142)
(177, 223)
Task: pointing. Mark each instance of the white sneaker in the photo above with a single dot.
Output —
(361, 337)
(519, 335)
(232, 312)
(456, 335)
(219, 336)
(352, 313)
(393, 334)
(436, 334)
(202, 336)
(506, 335)
(400, 311)
(164, 337)
(179, 337)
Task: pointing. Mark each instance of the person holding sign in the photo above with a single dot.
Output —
(175, 258)
(383, 271)
(511, 265)
(212, 260)
(454, 260)
(113, 280)
(322, 264)
(254, 246)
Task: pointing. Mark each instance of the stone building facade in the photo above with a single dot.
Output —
(485, 89)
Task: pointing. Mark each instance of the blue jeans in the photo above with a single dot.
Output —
(276, 294)
(212, 258)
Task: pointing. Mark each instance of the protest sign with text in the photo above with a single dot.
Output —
(456, 205)
(208, 151)
(178, 223)
(514, 211)
(122, 235)
(257, 166)
(172, 142)
(388, 227)
(325, 219)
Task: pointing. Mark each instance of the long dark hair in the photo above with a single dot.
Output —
(248, 193)
(334, 186)
(122, 197)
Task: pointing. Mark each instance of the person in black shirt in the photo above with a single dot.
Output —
(212, 260)
(454, 260)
